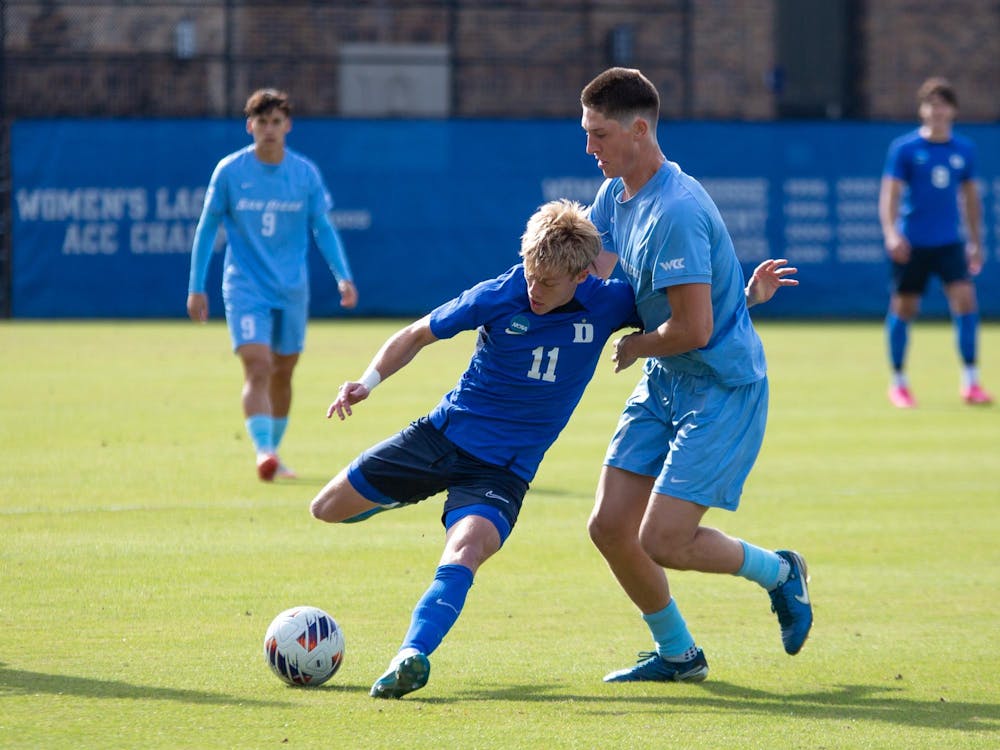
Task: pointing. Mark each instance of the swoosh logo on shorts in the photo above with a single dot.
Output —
(494, 496)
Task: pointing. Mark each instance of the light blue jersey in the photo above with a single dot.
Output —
(270, 212)
(671, 233)
(933, 173)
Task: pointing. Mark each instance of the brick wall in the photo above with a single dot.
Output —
(910, 40)
(710, 59)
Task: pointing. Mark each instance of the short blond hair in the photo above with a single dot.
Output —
(559, 236)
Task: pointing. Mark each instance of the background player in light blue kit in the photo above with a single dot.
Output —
(926, 172)
(271, 200)
(691, 430)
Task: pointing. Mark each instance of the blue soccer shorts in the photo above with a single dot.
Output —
(698, 439)
(419, 461)
(254, 321)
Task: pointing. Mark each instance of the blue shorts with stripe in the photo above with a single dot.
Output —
(697, 438)
(419, 461)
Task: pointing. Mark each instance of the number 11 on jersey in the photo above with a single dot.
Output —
(538, 354)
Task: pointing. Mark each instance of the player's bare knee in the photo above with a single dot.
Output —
(604, 532)
(320, 507)
(325, 505)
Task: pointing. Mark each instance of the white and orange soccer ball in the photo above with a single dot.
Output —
(304, 646)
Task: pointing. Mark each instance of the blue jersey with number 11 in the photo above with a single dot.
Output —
(529, 371)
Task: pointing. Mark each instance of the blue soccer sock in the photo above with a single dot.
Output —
(260, 430)
(966, 327)
(439, 608)
(278, 427)
(762, 566)
(897, 333)
(673, 640)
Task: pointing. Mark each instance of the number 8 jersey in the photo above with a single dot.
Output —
(528, 371)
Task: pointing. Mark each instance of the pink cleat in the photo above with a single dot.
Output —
(901, 398)
(975, 394)
(267, 466)
(285, 472)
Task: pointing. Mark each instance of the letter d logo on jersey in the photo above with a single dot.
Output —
(583, 333)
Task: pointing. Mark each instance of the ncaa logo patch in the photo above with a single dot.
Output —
(518, 325)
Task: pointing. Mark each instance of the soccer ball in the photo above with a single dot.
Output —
(304, 646)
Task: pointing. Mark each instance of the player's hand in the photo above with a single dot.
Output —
(350, 393)
(768, 278)
(898, 248)
(348, 294)
(622, 359)
(197, 307)
(974, 253)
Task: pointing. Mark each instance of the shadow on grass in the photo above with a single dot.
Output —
(24, 682)
(868, 703)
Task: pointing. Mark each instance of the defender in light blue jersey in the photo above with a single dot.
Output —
(691, 430)
(541, 329)
(271, 201)
(927, 173)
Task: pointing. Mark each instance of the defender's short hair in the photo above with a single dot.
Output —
(622, 93)
(263, 101)
(559, 236)
(937, 86)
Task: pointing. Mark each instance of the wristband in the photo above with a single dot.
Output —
(370, 379)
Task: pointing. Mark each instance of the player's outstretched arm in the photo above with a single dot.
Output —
(396, 353)
(767, 279)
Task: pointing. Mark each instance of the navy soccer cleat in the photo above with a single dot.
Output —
(790, 601)
(654, 668)
(407, 672)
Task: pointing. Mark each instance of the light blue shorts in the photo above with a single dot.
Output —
(697, 438)
(253, 321)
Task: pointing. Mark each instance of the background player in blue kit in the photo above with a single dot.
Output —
(271, 201)
(692, 428)
(926, 171)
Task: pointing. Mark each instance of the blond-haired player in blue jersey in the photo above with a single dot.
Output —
(692, 428)
(271, 201)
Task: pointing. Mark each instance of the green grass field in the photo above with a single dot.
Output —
(141, 560)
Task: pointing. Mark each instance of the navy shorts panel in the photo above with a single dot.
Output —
(419, 461)
(947, 262)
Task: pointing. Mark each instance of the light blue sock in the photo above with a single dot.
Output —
(966, 327)
(897, 332)
(762, 566)
(438, 608)
(670, 631)
(278, 427)
(260, 431)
